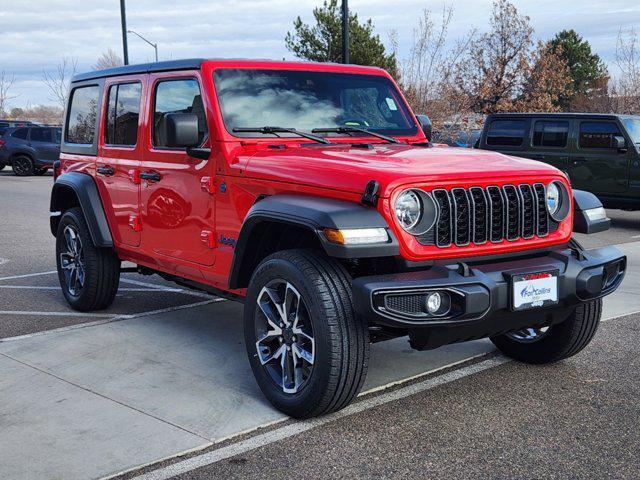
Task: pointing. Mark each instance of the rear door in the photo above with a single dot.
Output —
(177, 207)
(119, 151)
(596, 165)
(41, 141)
(550, 142)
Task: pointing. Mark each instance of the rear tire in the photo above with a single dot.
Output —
(89, 276)
(22, 166)
(559, 341)
(339, 345)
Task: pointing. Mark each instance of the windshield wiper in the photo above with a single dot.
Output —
(274, 130)
(350, 129)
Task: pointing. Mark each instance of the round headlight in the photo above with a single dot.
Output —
(408, 209)
(553, 198)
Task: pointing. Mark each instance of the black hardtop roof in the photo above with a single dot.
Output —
(561, 115)
(166, 66)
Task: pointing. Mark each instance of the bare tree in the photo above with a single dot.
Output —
(108, 59)
(58, 82)
(429, 71)
(6, 83)
(626, 89)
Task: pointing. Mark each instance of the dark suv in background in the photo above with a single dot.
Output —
(30, 150)
(599, 153)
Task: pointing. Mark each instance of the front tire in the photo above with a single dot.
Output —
(555, 343)
(89, 276)
(22, 166)
(307, 349)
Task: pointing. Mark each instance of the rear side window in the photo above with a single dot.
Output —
(550, 134)
(21, 133)
(598, 134)
(81, 124)
(40, 135)
(57, 135)
(509, 133)
(177, 96)
(123, 112)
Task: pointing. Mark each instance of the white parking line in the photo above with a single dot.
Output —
(108, 318)
(39, 287)
(290, 430)
(29, 275)
(54, 314)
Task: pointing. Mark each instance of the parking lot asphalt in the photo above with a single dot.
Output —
(162, 372)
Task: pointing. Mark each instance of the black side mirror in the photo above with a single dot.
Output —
(620, 144)
(425, 125)
(181, 130)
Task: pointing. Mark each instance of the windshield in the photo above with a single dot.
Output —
(307, 100)
(633, 129)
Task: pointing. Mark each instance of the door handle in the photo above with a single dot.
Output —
(578, 160)
(106, 171)
(151, 175)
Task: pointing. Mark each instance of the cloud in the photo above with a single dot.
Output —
(36, 33)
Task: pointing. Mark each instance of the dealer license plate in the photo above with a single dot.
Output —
(532, 290)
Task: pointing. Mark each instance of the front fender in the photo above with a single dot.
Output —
(314, 214)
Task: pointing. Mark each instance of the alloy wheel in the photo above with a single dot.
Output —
(285, 345)
(528, 335)
(22, 166)
(72, 261)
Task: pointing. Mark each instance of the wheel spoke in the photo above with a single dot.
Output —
(66, 261)
(70, 237)
(291, 305)
(270, 308)
(305, 355)
(288, 372)
(273, 356)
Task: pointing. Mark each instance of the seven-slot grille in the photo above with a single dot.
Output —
(488, 214)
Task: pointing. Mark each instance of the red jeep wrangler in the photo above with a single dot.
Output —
(311, 193)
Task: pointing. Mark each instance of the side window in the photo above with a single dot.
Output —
(177, 96)
(40, 135)
(508, 133)
(550, 134)
(598, 134)
(57, 135)
(123, 111)
(21, 133)
(81, 123)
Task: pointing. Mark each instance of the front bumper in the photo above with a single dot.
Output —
(481, 294)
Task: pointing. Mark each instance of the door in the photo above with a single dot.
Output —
(550, 143)
(41, 140)
(119, 151)
(597, 165)
(177, 205)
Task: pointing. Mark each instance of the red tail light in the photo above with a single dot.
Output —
(2, 142)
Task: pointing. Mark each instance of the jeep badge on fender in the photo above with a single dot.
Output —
(346, 226)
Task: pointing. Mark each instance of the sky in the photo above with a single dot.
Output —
(35, 34)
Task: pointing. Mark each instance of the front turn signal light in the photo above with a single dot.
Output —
(356, 236)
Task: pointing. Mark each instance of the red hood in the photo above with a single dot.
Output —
(349, 169)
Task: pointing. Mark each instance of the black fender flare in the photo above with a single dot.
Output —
(583, 201)
(313, 214)
(85, 190)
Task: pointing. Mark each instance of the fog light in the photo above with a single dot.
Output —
(438, 303)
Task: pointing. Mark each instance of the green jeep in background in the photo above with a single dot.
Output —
(600, 153)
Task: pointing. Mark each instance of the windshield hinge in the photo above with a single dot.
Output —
(370, 195)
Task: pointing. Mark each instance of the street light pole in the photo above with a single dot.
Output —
(123, 17)
(345, 31)
(154, 45)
